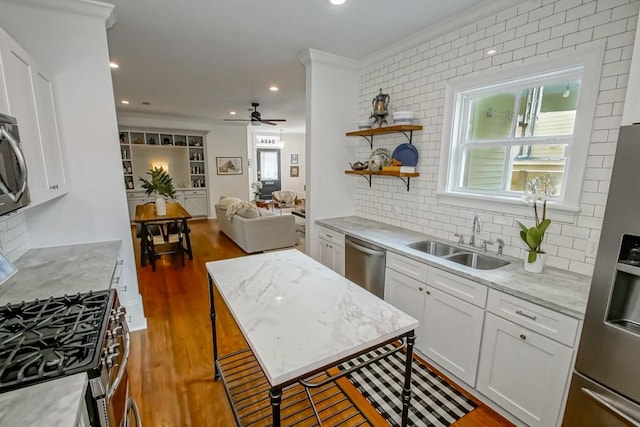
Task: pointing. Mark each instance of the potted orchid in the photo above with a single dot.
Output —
(257, 187)
(537, 190)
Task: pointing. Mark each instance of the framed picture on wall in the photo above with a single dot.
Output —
(229, 165)
(294, 159)
(294, 171)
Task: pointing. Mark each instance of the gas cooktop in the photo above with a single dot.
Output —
(45, 339)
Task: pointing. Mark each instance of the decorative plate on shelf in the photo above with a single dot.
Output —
(407, 154)
(383, 153)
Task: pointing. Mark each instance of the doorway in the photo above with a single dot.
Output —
(268, 170)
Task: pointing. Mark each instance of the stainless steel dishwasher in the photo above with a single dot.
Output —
(364, 265)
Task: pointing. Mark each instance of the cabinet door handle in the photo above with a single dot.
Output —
(428, 292)
(528, 316)
(523, 337)
(421, 289)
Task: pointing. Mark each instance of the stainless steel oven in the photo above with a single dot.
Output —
(109, 402)
(14, 193)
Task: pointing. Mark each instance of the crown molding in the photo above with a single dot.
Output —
(90, 8)
(317, 56)
(475, 13)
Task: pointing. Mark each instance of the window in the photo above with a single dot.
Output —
(512, 126)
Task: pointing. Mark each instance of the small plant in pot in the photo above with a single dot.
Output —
(537, 189)
(160, 184)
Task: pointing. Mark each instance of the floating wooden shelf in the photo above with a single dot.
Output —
(384, 130)
(368, 174)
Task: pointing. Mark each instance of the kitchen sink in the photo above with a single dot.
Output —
(477, 261)
(434, 248)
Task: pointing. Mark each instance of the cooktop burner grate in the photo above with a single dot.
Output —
(44, 339)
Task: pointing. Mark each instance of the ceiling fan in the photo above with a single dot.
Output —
(255, 117)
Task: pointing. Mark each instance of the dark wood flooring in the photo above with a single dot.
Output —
(171, 371)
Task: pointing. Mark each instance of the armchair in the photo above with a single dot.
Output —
(285, 200)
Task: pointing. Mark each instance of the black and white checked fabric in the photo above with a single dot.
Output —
(433, 401)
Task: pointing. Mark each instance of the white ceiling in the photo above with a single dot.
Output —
(203, 58)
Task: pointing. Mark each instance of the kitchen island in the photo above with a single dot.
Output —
(300, 318)
(43, 273)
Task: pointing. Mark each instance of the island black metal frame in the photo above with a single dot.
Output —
(275, 392)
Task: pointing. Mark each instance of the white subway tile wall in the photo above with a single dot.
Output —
(14, 236)
(416, 80)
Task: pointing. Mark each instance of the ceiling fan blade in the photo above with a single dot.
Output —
(266, 122)
(237, 120)
(274, 120)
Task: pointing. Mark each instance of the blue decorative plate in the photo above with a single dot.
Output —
(407, 154)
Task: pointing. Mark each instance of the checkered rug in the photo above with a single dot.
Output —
(433, 401)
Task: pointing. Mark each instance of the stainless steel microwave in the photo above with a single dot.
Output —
(14, 193)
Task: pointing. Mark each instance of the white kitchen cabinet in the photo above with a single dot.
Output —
(195, 202)
(30, 101)
(450, 327)
(451, 333)
(406, 294)
(524, 372)
(331, 249)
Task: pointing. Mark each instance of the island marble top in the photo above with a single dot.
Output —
(558, 290)
(42, 273)
(299, 316)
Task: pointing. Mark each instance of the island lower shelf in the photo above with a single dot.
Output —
(405, 177)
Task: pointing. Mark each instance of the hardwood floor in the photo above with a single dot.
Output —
(170, 368)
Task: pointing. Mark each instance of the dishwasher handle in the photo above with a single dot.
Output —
(364, 249)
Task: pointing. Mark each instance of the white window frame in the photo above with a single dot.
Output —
(590, 61)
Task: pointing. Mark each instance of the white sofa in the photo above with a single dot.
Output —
(265, 232)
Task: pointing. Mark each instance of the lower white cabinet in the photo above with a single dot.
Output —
(195, 202)
(524, 372)
(331, 249)
(450, 329)
(451, 334)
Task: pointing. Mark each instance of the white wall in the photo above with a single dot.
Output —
(73, 49)
(416, 79)
(331, 111)
(220, 140)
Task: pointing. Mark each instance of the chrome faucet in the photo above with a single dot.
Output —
(475, 229)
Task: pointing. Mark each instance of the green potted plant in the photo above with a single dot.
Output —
(537, 189)
(160, 184)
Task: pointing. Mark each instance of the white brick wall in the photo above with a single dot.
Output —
(416, 80)
(14, 236)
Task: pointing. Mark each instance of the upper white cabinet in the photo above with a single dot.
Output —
(30, 100)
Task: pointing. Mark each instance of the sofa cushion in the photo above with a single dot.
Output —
(226, 202)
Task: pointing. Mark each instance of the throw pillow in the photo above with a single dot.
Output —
(236, 207)
(248, 212)
(227, 202)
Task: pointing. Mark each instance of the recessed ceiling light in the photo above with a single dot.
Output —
(124, 101)
(274, 88)
(113, 65)
(233, 113)
(491, 52)
(336, 2)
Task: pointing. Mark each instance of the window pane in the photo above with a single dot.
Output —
(490, 117)
(548, 110)
(269, 165)
(484, 168)
(531, 161)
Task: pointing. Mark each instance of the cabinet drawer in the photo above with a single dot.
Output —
(194, 192)
(333, 236)
(459, 287)
(542, 320)
(407, 266)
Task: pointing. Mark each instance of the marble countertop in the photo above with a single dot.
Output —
(298, 315)
(558, 290)
(43, 273)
